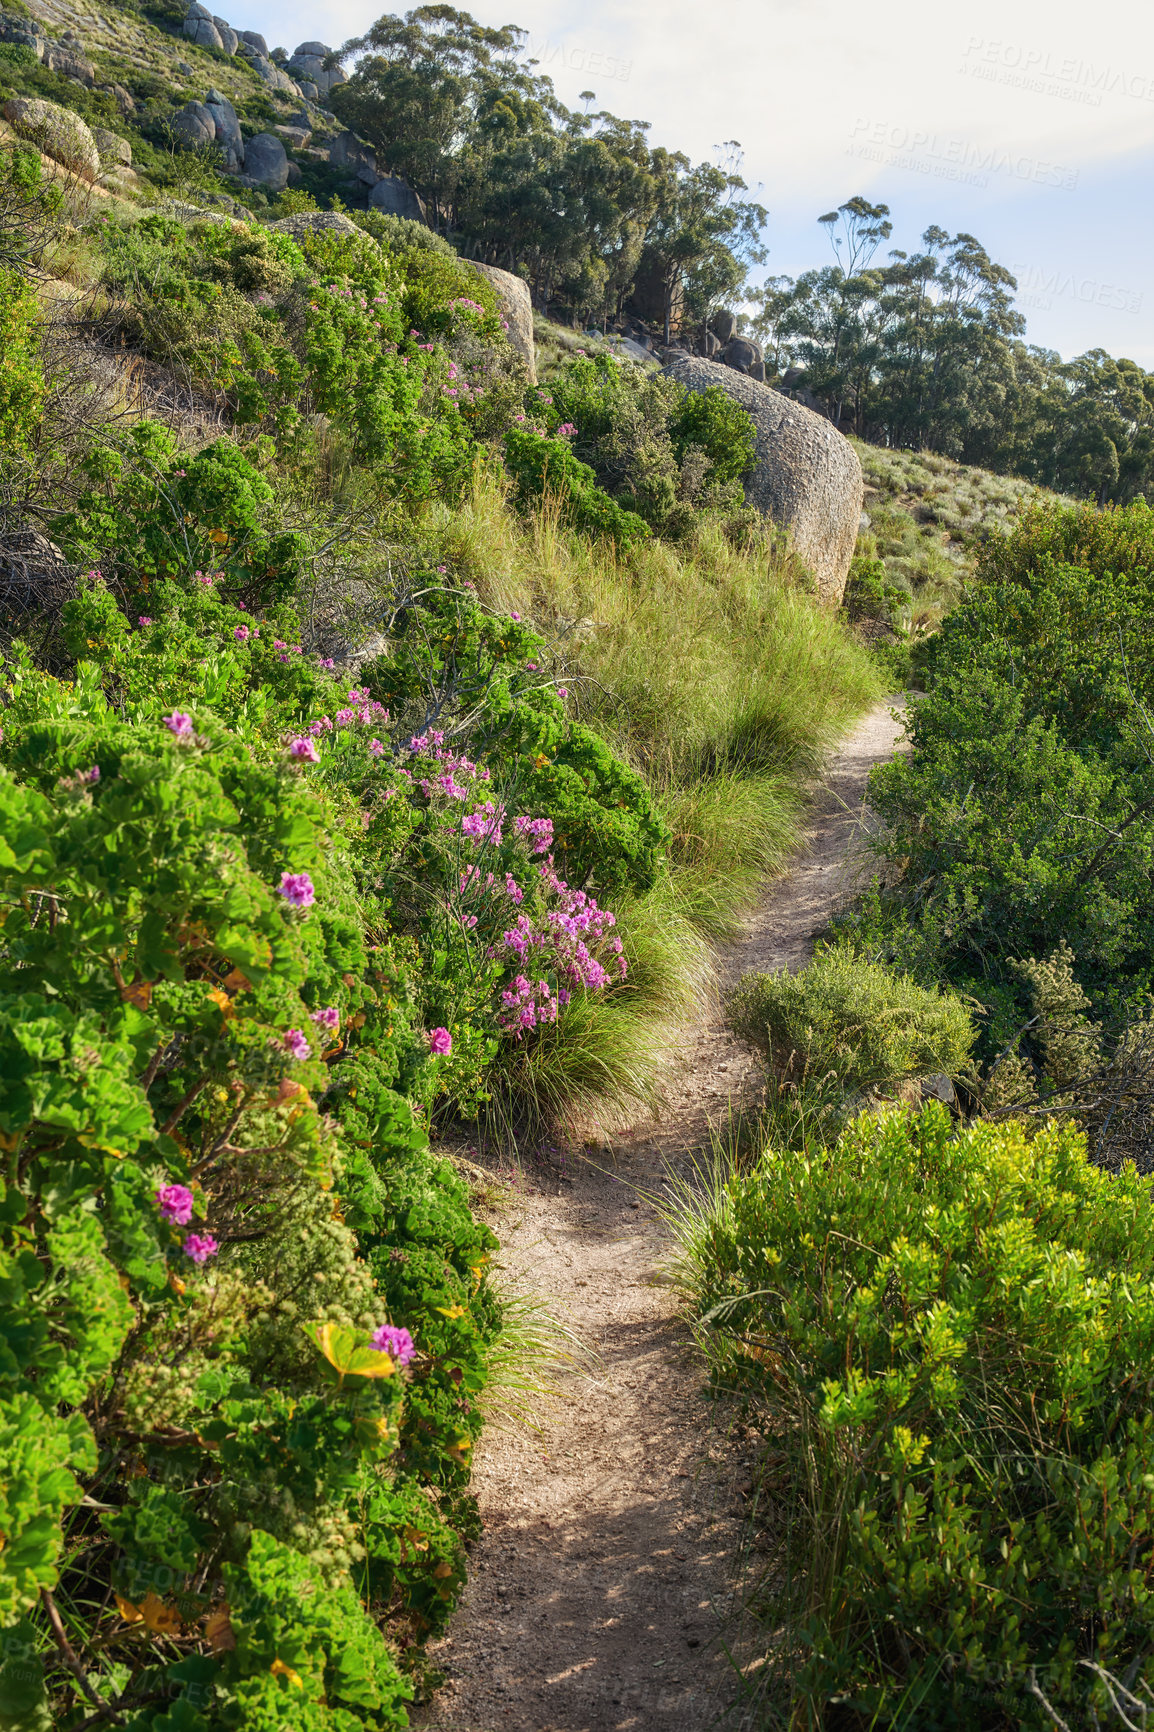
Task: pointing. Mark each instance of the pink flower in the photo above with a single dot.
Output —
(397, 1343)
(179, 723)
(200, 1247)
(515, 616)
(295, 1043)
(376, 749)
(562, 691)
(145, 619)
(92, 775)
(175, 1204)
(566, 430)
(440, 1042)
(304, 751)
(329, 1017)
(242, 634)
(297, 889)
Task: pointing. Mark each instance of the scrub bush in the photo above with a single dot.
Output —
(946, 1339)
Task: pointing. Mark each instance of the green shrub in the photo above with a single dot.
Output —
(946, 1340)
(872, 1027)
(21, 375)
(202, 1436)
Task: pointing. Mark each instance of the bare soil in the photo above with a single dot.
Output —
(601, 1594)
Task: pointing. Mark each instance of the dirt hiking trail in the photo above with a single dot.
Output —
(598, 1596)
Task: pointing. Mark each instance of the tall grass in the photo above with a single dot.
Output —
(713, 670)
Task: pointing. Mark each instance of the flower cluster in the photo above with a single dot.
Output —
(297, 889)
(397, 1343)
(175, 1204)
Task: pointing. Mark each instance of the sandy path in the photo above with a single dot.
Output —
(597, 1596)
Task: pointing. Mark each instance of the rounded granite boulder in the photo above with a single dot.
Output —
(806, 476)
(517, 309)
(56, 132)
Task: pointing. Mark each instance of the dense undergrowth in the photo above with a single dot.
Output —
(938, 1321)
(381, 747)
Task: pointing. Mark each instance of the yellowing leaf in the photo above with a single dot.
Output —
(224, 1001)
(138, 992)
(348, 1355)
(130, 1613)
(442, 1570)
(219, 1631)
(163, 1620)
(280, 1670)
(452, 1312)
(235, 981)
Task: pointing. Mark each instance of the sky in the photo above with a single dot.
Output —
(1027, 124)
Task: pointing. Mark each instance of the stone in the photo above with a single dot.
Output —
(316, 222)
(229, 40)
(185, 70)
(742, 354)
(68, 58)
(516, 306)
(227, 128)
(723, 324)
(266, 162)
(23, 33)
(347, 151)
(255, 40)
(710, 345)
(123, 179)
(395, 196)
(194, 125)
(626, 346)
(806, 477)
(308, 67)
(295, 137)
(318, 49)
(56, 132)
(309, 90)
(121, 97)
(115, 152)
(202, 31)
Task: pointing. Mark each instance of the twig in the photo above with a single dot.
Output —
(68, 1654)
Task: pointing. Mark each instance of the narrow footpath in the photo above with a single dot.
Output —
(599, 1594)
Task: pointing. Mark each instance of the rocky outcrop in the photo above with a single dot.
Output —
(396, 197)
(199, 28)
(255, 40)
(316, 222)
(516, 306)
(348, 151)
(226, 129)
(55, 131)
(805, 477)
(266, 163)
(194, 125)
(307, 65)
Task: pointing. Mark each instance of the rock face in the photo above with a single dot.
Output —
(256, 41)
(347, 151)
(265, 162)
(517, 307)
(723, 325)
(55, 131)
(806, 476)
(68, 57)
(23, 33)
(396, 197)
(229, 40)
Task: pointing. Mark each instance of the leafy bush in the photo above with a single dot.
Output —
(199, 1254)
(946, 1340)
(542, 468)
(21, 375)
(873, 1028)
(1023, 813)
(657, 448)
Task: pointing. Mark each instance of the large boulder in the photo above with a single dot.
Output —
(744, 356)
(347, 151)
(194, 125)
(723, 324)
(67, 57)
(255, 40)
(56, 132)
(229, 40)
(395, 197)
(308, 67)
(227, 130)
(199, 27)
(307, 222)
(266, 162)
(517, 308)
(115, 152)
(805, 476)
